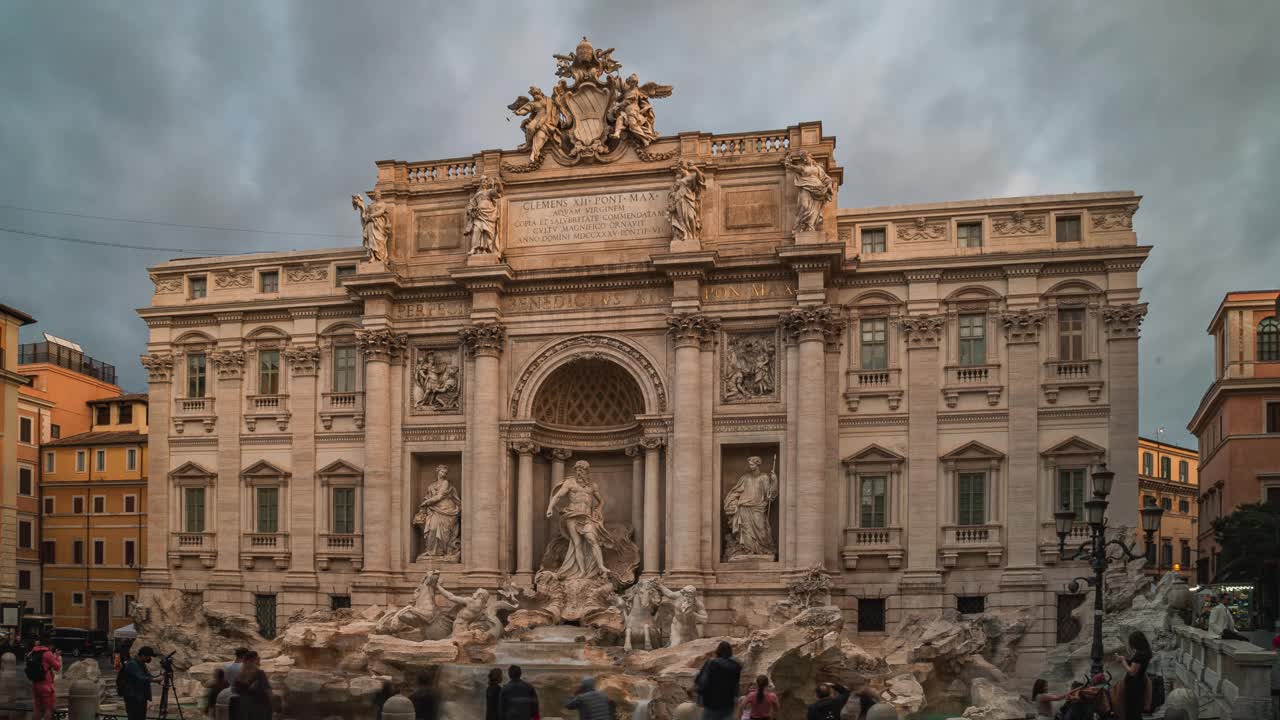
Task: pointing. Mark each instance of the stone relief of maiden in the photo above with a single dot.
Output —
(439, 517)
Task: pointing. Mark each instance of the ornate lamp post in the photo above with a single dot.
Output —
(1094, 548)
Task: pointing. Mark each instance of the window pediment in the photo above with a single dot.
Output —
(190, 473)
(973, 450)
(1075, 445)
(340, 472)
(264, 473)
(874, 456)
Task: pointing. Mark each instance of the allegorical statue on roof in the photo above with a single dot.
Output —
(684, 205)
(482, 218)
(375, 218)
(591, 111)
(816, 190)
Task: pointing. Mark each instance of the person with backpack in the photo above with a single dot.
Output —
(832, 698)
(717, 684)
(136, 689)
(41, 666)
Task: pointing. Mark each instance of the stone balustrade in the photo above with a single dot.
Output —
(1060, 374)
(869, 542)
(1232, 678)
(272, 546)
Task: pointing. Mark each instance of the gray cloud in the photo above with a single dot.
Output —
(269, 115)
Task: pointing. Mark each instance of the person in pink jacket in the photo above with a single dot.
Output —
(42, 697)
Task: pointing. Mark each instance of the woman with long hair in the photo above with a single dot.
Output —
(1043, 700)
(492, 694)
(1132, 695)
(759, 704)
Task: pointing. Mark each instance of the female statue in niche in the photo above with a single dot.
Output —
(582, 524)
(438, 515)
(747, 507)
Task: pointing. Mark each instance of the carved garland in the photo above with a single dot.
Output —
(921, 229)
(1018, 224)
(166, 285)
(233, 278)
(307, 273)
(1113, 220)
(588, 343)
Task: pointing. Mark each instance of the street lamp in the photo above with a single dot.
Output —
(1094, 548)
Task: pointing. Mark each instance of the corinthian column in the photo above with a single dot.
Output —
(652, 472)
(685, 536)
(485, 341)
(524, 510)
(810, 328)
(378, 346)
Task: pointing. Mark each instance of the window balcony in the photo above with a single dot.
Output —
(872, 542)
(342, 404)
(267, 408)
(972, 539)
(961, 379)
(1049, 540)
(1060, 374)
(885, 383)
(340, 546)
(201, 545)
(193, 410)
(264, 546)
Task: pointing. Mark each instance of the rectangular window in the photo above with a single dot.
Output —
(80, 460)
(1166, 554)
(871, 615)
(1071, 491)
(1184, 507)
(1148, 500)
(268, 372)
(77, 598)
(48, 603)
(972, 507)
(129, 552)
(55, 431)
(1182, 471)
(48, 506)
(1273, 417)
(25, 430)
(130, 504)
(1068, 228)
(198, 287)
(131, 459)
(193, 504)
(268, 509)
(264, 610)
(24, 579)
(49, 552)
(102, 415)
(77, 552)
(1147, 464)
(129, 602)
(344, 368)
(1071, 335)
(873, 502)
(344, 510)
(100, 460)
(77, 505)
(973, 339)
(1166, 468)
(25, 482)
(342, 273)
(195, 375)
(339, 602)
(1166, 504)
(969, 234)
(126, 413)
(873, 240)
(24, 535)
(99, 504)
(874, 350)
(48, 462)
(99, 552)
(971, 604)
(269, 281)
(1186, 555)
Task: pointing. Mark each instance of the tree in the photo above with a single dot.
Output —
(1249, 542)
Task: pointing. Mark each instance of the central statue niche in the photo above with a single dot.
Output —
(588, 394)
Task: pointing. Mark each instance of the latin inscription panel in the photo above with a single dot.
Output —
(586, 300)
(432, 309)
(612, 217)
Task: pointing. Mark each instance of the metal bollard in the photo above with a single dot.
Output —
(882, 711)
(222, 706)
(398, 708)
(83, 700)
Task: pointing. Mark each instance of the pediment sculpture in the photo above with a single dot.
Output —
(590, 112)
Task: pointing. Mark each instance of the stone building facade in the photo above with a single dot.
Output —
(759, 381)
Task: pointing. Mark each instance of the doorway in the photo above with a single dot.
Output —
(102, 615)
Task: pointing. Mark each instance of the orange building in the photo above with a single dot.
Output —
(1238, 420)
(10, 434)
(1167, 476)
(94, 488)
(33, 430)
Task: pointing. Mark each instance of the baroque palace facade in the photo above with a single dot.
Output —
(760, 382)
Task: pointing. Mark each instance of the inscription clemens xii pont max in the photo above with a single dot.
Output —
(635, 215)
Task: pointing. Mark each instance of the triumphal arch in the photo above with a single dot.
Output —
(611, 354)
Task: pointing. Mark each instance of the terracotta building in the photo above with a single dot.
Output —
(12, 435)
(1167, 476)
(94, 493)
(912, 388)
(1238, 420)
(33, 420)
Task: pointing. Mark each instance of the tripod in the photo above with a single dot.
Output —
(166, 685)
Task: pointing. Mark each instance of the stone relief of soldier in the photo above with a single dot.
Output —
(687, 613)
(684, 206)
(749, 368)
(747, 508)
(439, 517)
(482, 218)
(375, 221)
(633, 111)
(816, 190)
(436, 381)
(543, 122)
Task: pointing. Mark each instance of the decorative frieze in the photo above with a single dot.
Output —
(922, 331)
(307, 273)
(233, 278)
(434, 433)
(817, 322)
(228, 363)
(304, 360)
(691, 328)
(1018, 223)
(922, 229)
(749, 368)
(484, 338)
(437, 381)
(1113, 219)
(381, 344)
(851, 421)
(167, 285)
(772, 422)
(159, 367)
(1023, 326)
(1124, 320)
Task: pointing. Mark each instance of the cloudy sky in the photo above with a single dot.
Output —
(267, 115)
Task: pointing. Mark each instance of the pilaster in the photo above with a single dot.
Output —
(485, 341)
(228, 366)
(1123, 323)
(1022, 329)
(159, 367)
(922, 334)
(378, 345)
(303, 362)
(685, 534)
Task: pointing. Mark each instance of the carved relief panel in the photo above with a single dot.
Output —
(749, 367)
(436, 380)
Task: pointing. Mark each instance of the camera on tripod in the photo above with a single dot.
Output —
(166, 663)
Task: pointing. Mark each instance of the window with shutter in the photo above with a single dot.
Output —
(268, 509)
(344, 510)
(972, 505)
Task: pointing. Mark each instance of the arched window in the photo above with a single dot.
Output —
(1269, 339)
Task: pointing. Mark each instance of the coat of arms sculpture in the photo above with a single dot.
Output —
(590, 112)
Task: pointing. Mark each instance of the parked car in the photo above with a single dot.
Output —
(77, 642)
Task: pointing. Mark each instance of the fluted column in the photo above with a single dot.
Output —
(524, 509)
(378, 347)
(652, 476)
(485, 340)
(684, 534)
(810, 328)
